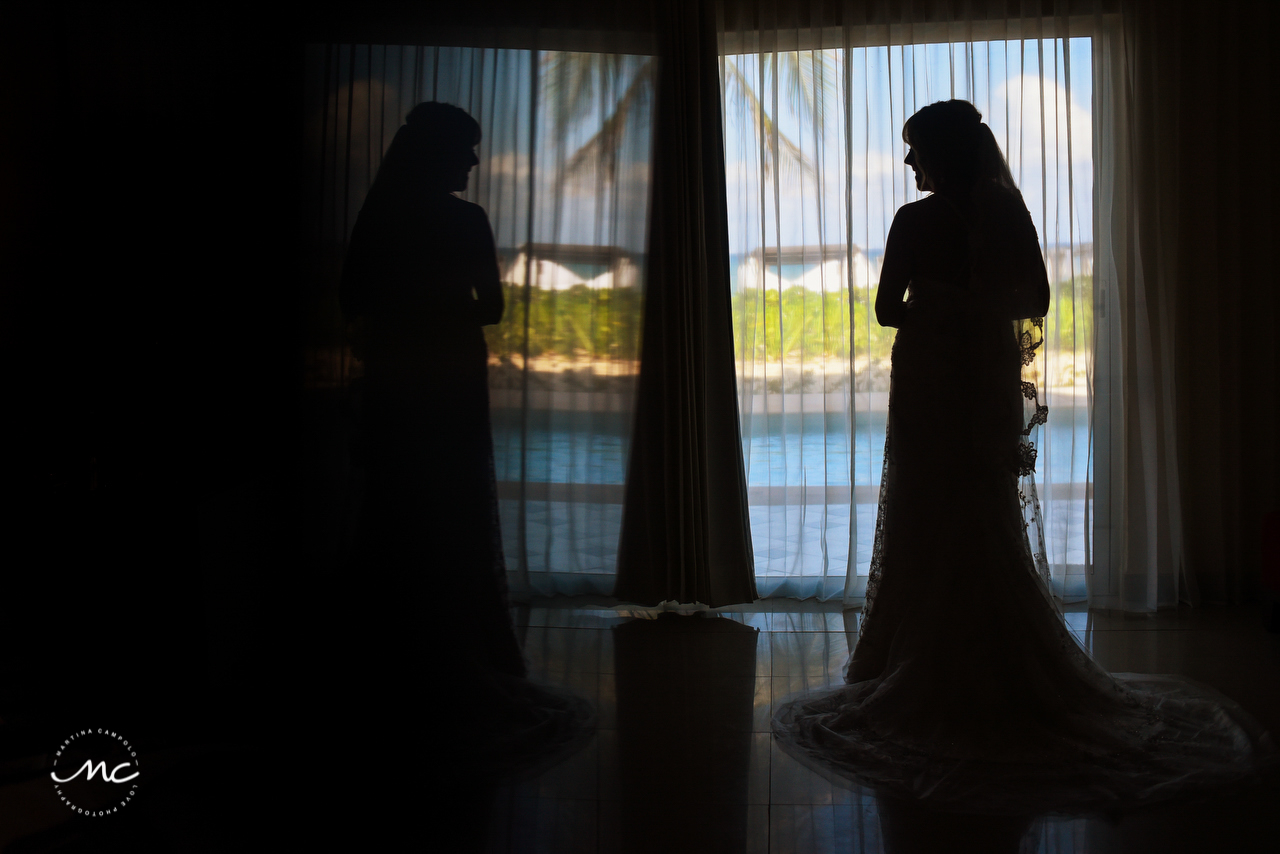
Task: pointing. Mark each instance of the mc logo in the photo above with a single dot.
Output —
(101, 768)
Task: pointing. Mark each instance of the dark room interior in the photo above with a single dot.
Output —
(178, 530)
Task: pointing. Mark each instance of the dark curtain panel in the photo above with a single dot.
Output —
(1215, 143)
(685, 529)
(685, 687)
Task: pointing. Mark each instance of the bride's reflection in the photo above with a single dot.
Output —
(420, 281)
(685, 689)
(907, 827)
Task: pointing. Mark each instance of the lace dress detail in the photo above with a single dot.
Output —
(1030, 334)
(877, 549)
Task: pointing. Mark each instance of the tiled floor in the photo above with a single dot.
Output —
(683, 760)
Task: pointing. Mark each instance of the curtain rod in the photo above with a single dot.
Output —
(628, 26)
(880, 35)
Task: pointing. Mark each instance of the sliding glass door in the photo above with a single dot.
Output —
(563, 177)
(814, 156)
(813, 151)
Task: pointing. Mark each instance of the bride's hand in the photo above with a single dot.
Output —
(927, 295)
(909, 309)
(925, 285)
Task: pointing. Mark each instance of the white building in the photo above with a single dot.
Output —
(824, 269)
(1063, 261)
(560, 266)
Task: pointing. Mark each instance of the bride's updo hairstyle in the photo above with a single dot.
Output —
(441, 129)
(433, 136)
(955, 148)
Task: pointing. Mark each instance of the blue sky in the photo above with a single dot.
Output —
(887, 84)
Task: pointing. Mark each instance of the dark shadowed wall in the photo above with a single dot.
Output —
(149, 167)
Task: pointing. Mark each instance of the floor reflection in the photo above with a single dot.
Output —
(685, 690)
(683, 758)
(909, 828)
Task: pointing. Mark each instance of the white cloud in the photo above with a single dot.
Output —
(507, 167)
(876, 165)
(1022, 94)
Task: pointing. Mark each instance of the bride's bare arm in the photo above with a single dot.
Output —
(895, 275)
(1030, 295)
(486, 286)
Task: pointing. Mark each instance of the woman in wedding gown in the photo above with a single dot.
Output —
(966, 690)
(420, 281)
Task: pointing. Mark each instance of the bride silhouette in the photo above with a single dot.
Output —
(965, 689)
(419, 283)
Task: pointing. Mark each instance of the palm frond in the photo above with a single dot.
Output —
(603, 146)
(809, 79)
(575, 82)
(570, 81)
(779, 151)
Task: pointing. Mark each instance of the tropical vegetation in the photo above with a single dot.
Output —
(593, 325)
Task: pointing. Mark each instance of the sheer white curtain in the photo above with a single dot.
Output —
(563, 177)
(1139, 522)
(813, 115)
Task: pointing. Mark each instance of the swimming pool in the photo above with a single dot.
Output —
(591, 448)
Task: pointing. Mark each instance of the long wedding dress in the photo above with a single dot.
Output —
(966, 690)
(430, 530)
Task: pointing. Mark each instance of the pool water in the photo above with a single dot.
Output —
(801, 550)
(585, 447)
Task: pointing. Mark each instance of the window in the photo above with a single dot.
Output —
(814, 155)
(563, 177)
(814, 175)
